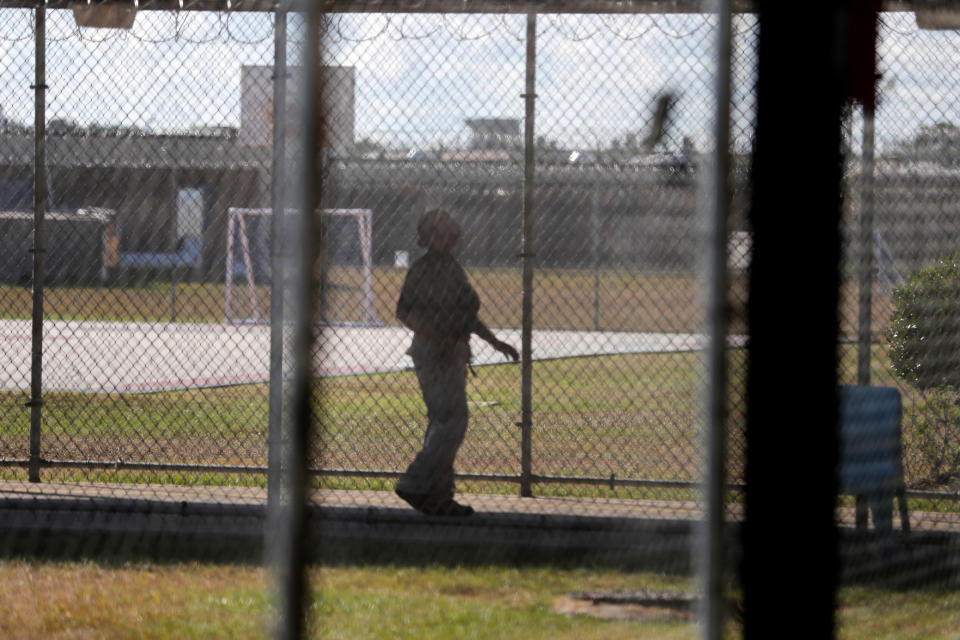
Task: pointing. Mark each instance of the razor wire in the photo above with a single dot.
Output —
(254, 28)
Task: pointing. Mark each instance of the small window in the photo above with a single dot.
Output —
(189, 212)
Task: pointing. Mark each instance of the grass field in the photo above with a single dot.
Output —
(627, 300)
(631, 416)
(182, 601)
(610, 299)
(350, 603)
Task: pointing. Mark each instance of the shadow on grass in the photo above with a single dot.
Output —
(121, 548)
(404, 538)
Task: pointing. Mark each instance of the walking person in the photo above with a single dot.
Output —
(438, 303)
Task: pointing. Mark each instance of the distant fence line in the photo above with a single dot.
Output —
(586, 216)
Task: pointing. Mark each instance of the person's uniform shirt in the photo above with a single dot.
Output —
(438, 290)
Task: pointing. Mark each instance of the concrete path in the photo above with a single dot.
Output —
(130, 357)
(491, 504)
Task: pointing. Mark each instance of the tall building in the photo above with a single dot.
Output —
(256, 105)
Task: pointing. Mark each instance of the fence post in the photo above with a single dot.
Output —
(865, 245)
(39, 208)
(791, 408)
(526, 404)
(278, 264)
(595, 247)
(174, 271)
(715, 205)
(285, 536)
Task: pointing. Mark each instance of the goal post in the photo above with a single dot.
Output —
(248, 232)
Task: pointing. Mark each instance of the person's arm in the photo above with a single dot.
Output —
(485, 334)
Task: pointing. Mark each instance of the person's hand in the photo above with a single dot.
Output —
(506, 350)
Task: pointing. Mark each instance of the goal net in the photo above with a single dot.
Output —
(346, 289)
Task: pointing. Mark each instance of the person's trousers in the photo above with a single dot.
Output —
(444, 388)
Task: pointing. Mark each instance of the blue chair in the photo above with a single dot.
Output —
(871, 456)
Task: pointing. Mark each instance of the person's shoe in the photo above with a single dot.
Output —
(448, 508)
(415, 500)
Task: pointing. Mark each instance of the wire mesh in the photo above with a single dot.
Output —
(614, 225)
(161, 185)
(899, 225)
(144, 149)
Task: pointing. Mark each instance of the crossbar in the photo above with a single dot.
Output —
(415, 6)
(654, 7)
(383, 473)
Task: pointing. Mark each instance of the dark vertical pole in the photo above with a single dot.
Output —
(277, 255)
(595, 250)
(174, 278)
(865, 245)
(789, 536)
(288, 517)
(715, 208)
(866, 264)
(526, 401)
(39, 211)
(175, 271)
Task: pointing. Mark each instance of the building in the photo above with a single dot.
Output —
(164, 188)
(256, 105)
(494, 133)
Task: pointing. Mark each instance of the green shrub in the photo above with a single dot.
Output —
(931, 435)
(924, 332)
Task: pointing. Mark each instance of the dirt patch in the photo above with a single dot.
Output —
(630, 605)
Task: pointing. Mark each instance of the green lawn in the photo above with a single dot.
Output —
(566, 299)
(182, 601)
(586, 412)
(630, 416)
(608, 299)
(633, 416)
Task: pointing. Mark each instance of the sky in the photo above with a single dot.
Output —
(419, 77)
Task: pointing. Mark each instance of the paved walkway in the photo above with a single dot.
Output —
(132, 357)
(370, 502)
(67, 520)
(365, 500)
(376, 521)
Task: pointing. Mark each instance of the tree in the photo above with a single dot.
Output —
(924, 337)
(62, 127)
(924, 332)
(938, 143)
(546, 144)
(368, 148)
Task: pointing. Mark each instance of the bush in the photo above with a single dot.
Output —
(931, 435)
(924, 332)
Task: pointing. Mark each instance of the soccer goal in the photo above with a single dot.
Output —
(248, 262)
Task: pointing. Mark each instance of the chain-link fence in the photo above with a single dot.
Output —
(170, 150)
(142, 156)
(174, 171)
(899, 222)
